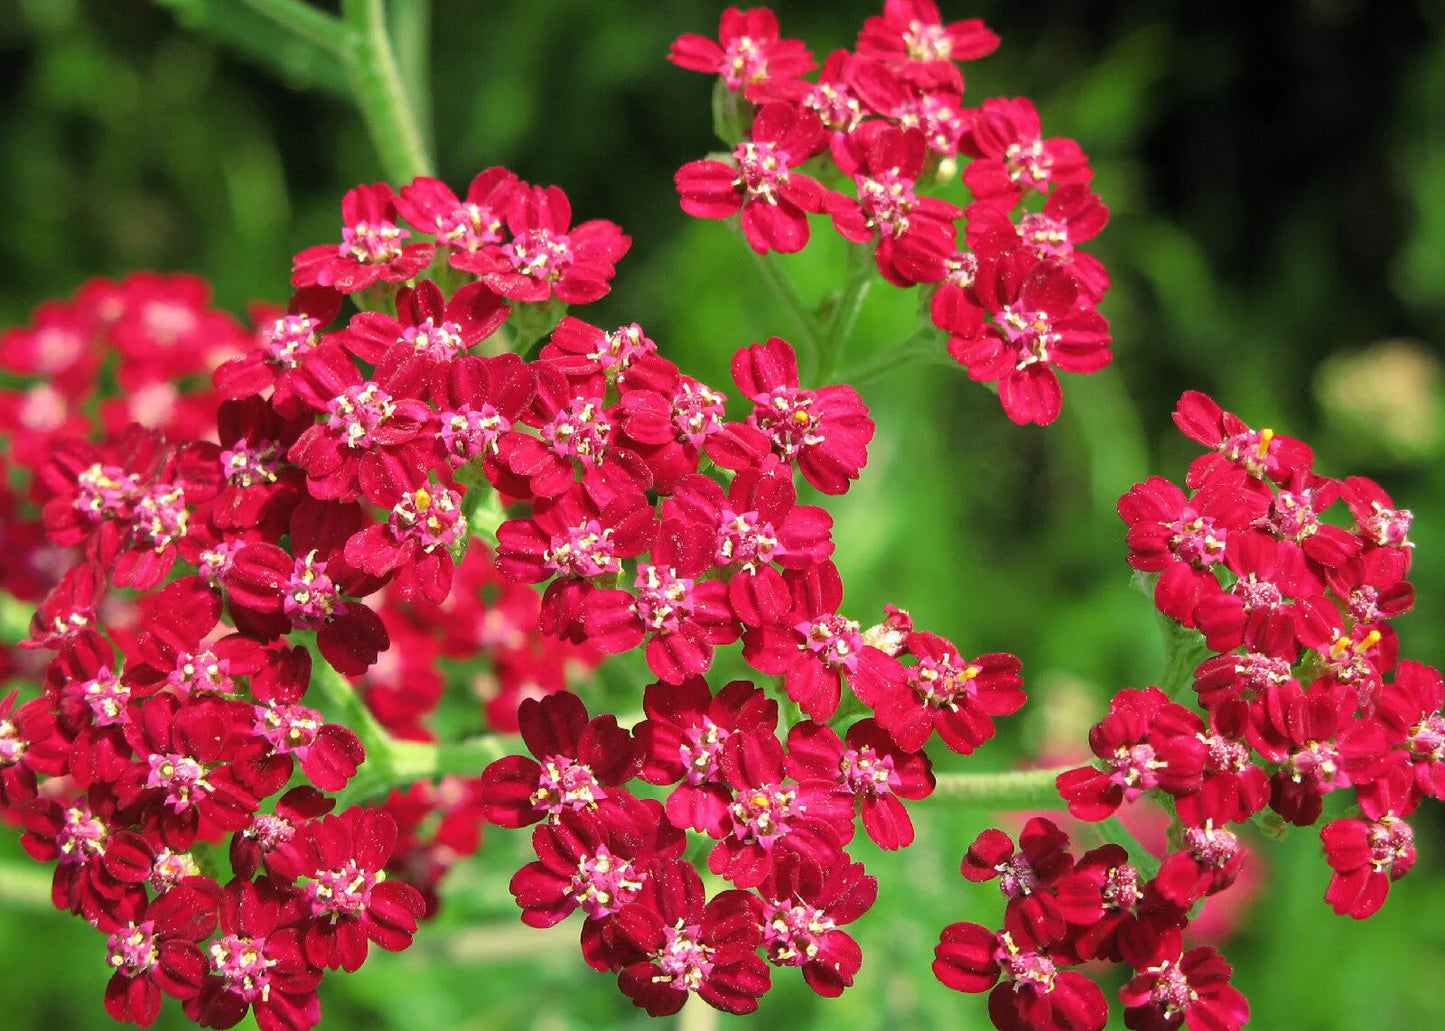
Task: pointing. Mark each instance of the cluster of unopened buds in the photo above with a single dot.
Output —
(250, 597)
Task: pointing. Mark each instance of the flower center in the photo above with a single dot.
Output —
(1197, 540)
(246, 466)
(105, 491)
(1293, 515)
(762, 169)
(469, 227)
(343, 891)
(1028, 163)
(160, 517)
(1121, 887)
(12, 745)
(886, 200)
(1029, 333)
(432, 518)
(440, 343)
(358, 413)
(132, 950)
(664, 599)
(1249, 450)
(1046, 237)
(81, 836)
(1210, 845)
(928, 42)
(582, 551)
(288, 340)
(793, 934)
(745, 539)
(1387, 527)
(683, 960)
(786, 416)
(372, 243)
(581, 431)
(834, 639)
(604, 883)
(1025, 968)
(466, 433)
(940, 684)
(243, 965)
(867, 773)
(622, 347)
(540, 254)
(762, 814)
(700, 749)
(181, 777)
(170, 868)
(310, 599)
(565, 783)
(288, 728)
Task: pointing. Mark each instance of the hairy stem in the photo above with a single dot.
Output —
(1009, 790)
(376, 81)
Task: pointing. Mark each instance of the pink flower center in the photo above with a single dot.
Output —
(1197, 540)
(582, 551)
(581, 431)
(1225, 755)
(941, 684)
(343, 891)
(243, 965)
(1249, 450)
(745, 539)
(105, 491)
(12, 745)
(1121, 887)
(358, 413)
(565, 783)
(1348, 656)
(469, 227)
(962, 269)
(289, 339)
(160, 517)
(793, 934)
(700, 749)
(81, 836)
(1257, 672)
(1317, 762)
(1293, 517)
(838, 109)
(762, 814)
(928, 42)
(1029, 333)
(1135, 769)
(310, 599)
(886, 200)
(834, 639)
(269, 832)
(1392, 842)
(201, 672)
(762, 170)
(684, 961)
(466, 433)
(1046, 237)
(1364, 604)
(181, 777)
(664, 599)
(432, 518)
(622, 347)
(1029, 163)
(372, 243)
(1257, 595)
(1171, 991)
(1387, 527)
(107, 698)
(170, 868)
(1016, 876)
(786, 416)
(246, 466)
(288, 728)
(604, 883)
(132, 951)
(1025, 968)
(697, 411)
(743, 62)
(1427, 738)
(867, 773)
(440, 343)
(215, 563)
(540, 254)
(1211, 846)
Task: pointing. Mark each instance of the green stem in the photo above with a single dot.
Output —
(1113, 829)
(376, 80)
(1009, 790)
(310, 23)
(14, 619)
(924, 345)
(410, 23)
(391, 762)
(809, 334)
(858, 279)
(1184, 650)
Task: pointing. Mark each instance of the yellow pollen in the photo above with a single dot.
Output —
(760, 800)
(423, 499)
(1370, 640)
(1265, 436)
(801, 418)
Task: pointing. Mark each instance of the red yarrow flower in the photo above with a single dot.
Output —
(761, 182)
(1192, 990)
(371, 249)
(548, 257)
(747, 52)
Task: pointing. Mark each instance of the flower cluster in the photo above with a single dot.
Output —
(887, 123)
(1287, 619)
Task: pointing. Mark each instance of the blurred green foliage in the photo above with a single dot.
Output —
(1277, 180)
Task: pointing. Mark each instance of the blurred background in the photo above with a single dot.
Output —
(1276, 174)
